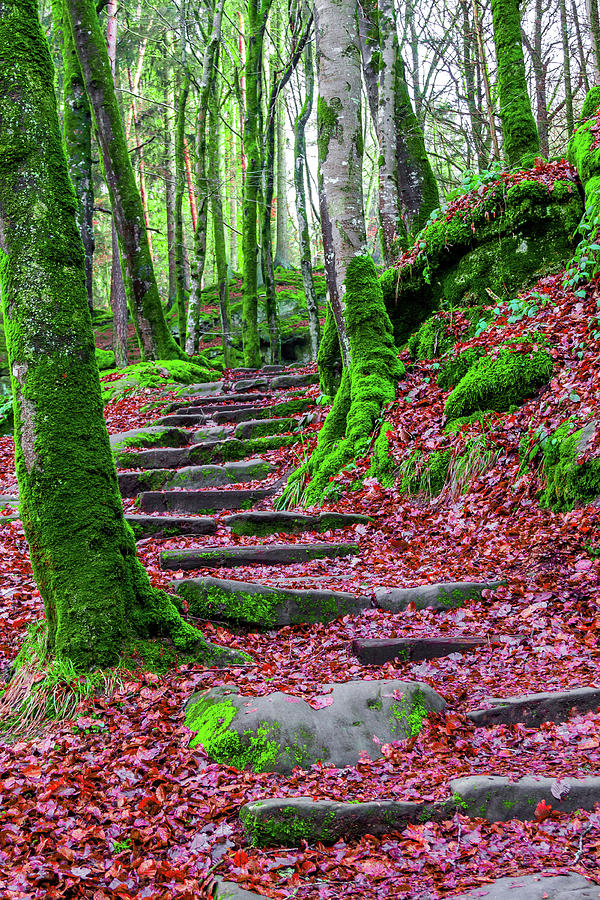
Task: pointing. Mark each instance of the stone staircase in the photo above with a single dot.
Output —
(202, 468)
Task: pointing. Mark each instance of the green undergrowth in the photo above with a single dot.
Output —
(430, 340)
(431, 473)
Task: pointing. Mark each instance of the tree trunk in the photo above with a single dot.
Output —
(282, 255)
(470, 89)
(266, 238)
(180, 185)
(214, 174)
(170, 205)
(594, 14)
(135, 118)
(521, 140)
(77, 130)
(300, 166)
(96, 594)
(258, 11)
(539, 73)
(580, 49)
(340, 149)
(154, 337)
(118, 297)
(485, 77)
(208, 74)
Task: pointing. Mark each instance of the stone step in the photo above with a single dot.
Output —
(348, 720)
(526, 887)
(292, 381)
(183, 420)
(241, 413)
(170, 526)
(207, 501)
(261, 522)
(228, 890)
(372, 652)
(533, 709)
(265, 554)
(211, 433)
(498, 799)
(216, 400)
(251, 384)
(254, 428)
(257, 605)
(202, 452)
(287, 821)
(193, 477)
(270, 369)
(446, 595)
(153, 436)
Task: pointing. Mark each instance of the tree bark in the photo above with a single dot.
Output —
(96, 594)
(208, 74)
(521, 140)
(180, 185)
(77, 130)
(485, 77)
(155, 340)
(258, 10)
(170, 205)
(594, 15)
(470, 89)
(216, 201)
(300, 167)
(340, 149)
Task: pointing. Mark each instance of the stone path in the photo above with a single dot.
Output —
(203, 456)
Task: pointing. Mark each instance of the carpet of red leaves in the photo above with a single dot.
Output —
(113, 804)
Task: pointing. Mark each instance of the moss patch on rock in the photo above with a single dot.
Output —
(499, 383)
(568, 481)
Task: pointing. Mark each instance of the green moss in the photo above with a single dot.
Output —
(329, 358)
(431, 340)
(211, 721)
(497, 384)
(480, 417)
(591, 103)
(105, 359)
(328, 124)
(273, 426)
(234, 449)
(567, 481)
(157, 373)
(456, 367)
(383, 467)
(288, 829)
(366, 386)
(409, 715)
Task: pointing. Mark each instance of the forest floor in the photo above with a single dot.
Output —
(114, 804)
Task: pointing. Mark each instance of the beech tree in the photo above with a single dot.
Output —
(155, 339)
(96, 594)
(519, 131)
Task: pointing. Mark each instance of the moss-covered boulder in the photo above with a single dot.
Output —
(497, 383)
(105, 359)
(157, 373)
(569, 480)
(497, 240)
(278, 732)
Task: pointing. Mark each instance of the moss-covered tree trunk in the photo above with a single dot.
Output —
(77, 131)
(340, 148)
(216, 201)
(300, 171)
(96, 593)
(155, 340)
(521, 141)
